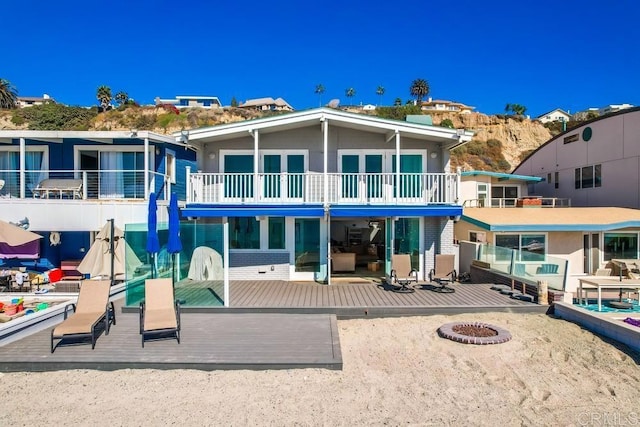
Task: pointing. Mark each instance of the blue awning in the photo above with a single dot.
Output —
(395, 210)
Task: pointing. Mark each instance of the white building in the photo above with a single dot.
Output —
(557, 115)
(184, 101)
(267, 104)
(596, 164)
(444, 105)
(612, 108)
(30, 101)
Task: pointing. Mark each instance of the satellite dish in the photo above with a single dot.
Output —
(333, 103)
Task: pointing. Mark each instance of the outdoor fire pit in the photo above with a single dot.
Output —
(474, 333)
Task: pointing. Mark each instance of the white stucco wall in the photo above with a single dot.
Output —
(615, 145)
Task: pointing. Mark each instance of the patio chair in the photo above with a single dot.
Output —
(401, 272)
(444, 272)
(160, 311)
(92, 310)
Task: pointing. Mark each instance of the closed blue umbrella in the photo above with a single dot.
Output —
(153, 243)
(174, 245)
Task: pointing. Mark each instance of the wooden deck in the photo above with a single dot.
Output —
(356, 297)
(270, 325)
(208, 341)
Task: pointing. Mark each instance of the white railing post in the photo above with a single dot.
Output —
(189, 197)
(146, 168)
(84, 185)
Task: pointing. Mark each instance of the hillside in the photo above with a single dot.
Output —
(499, 144)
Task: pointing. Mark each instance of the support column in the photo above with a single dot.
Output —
(146, 168)
(22, 167)
(256, 165)
(225, 261)
(397, 165)
(325, 160)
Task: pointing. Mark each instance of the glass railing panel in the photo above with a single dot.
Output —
(197, 270)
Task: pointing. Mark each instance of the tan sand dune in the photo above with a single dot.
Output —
(397, 371)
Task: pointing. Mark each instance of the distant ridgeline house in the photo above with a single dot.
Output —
(312, 194)
(69, 183)
(556, 115)
(444, 105)
(266, 104)
(184, 101)
(29, 101)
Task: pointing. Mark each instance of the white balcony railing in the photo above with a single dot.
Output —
(545, 202)
(309, 188)
(96, 184)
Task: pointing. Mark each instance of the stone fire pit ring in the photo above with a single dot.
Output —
(498, 334)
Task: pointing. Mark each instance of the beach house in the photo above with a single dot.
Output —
(317, 193)
(65, 185)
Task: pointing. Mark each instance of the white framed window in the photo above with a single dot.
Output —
(531, 246)
(478, 236)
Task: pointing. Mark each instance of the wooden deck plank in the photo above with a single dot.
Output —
(208, 341)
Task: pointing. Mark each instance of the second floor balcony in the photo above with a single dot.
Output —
(83, 184)
(318, 188)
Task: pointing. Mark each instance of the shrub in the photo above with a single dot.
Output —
(447, 123)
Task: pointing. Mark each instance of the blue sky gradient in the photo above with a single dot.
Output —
(543, 54)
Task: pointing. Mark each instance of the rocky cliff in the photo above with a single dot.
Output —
(498, 144)
(517, 135)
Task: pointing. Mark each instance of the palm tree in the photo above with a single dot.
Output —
(122, 98)
(104, 96)
(519, 109)
(507, 108)
(350, 93)
(419, 89)
(380, 92)
(397, 102)
(319, 91)
(8, 95)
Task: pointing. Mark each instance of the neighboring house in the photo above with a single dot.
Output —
(556, 115)
(266, 104)
(29, 101)
(574, 241)
(444, 105)
(612, 108)
(69, 183)
(291, 192)
(210, 102)
(369, 107)
(494, 189)
(595, 164)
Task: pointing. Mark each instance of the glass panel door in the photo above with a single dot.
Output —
(89, 164)
(373, 165)
(271, 181)
(407, 239)
(10, 172)
(411, 175)
(295, 169)
(238, 180)
(350, 170)
(111, 184)
(307, 244)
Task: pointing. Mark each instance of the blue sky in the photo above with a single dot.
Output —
(543, 54)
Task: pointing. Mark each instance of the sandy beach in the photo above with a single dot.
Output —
(397, 371)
